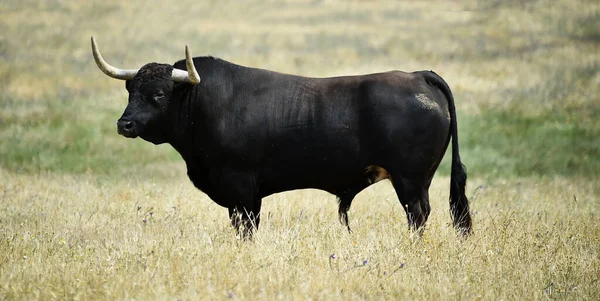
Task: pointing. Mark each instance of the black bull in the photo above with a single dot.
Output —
(247, 133)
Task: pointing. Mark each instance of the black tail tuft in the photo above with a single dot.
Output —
(459, 204)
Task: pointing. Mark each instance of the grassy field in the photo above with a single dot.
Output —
(86, 214)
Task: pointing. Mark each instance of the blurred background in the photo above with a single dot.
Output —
(525, 74)
(87, 214)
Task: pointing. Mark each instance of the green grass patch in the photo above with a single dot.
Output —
(65, 136)
(511, 144)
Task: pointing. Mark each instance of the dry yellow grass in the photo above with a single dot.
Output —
(86, 215)
(78, 237)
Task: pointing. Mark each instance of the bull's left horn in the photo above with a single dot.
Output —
(109, 70)
(191, 76)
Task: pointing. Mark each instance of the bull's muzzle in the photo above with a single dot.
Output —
(126, 128)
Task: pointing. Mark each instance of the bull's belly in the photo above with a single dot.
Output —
(328, 172)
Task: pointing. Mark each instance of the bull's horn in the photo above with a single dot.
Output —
(191, 76)
(108, 69)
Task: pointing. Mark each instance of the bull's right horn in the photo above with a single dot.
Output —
(191, 75)
(109, 70)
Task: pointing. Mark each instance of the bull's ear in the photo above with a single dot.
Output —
(127, 84)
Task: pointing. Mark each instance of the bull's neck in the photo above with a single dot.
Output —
(195, 109)
(185, 122)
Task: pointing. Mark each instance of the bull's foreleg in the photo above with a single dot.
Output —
(239, 189)
(245, 219)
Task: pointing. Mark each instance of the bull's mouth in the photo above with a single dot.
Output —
(127, 134)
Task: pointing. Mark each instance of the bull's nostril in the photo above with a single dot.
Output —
(125, 127)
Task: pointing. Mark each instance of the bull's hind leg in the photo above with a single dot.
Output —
(371, 175)
(414, 197)
(346, 196)
(345, 201)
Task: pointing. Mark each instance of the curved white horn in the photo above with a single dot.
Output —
(191, 76)
(108, 69)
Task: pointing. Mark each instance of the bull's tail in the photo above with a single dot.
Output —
(459, 204)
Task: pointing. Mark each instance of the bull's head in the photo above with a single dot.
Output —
(150, 89)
